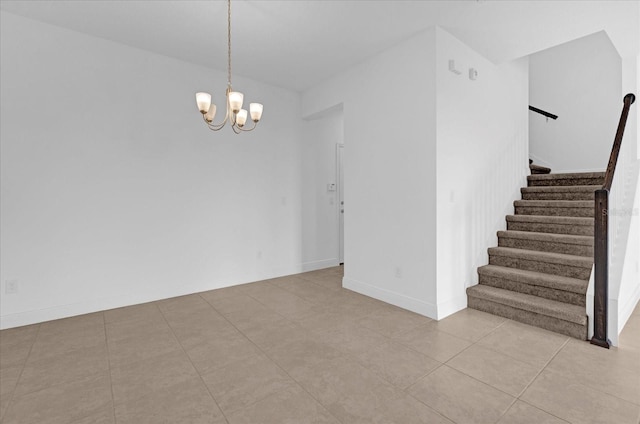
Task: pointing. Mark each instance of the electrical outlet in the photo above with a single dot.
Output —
(398, 272)
(11, 286)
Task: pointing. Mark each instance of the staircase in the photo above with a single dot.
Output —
(540, 270)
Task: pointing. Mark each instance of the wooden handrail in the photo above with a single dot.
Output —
(601, 232)
(628, 100)
(543, 112)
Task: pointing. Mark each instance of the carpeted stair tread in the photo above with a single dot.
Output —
(533, 278)
(578, 245)
(569, 244)
(534, 255)
(550, 237)
(580, 208)
(555, 203)
(551, 224)
(546, 219)
(568, 179)
(560, 189)
(562, 311)
(568, 175)
(582, 192)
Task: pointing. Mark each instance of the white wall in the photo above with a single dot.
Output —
(580, 81)
(389, 155)
(320, 206)
(624, 209)
(113, 190)
(482, 129)
(624, 291)
(415, 232)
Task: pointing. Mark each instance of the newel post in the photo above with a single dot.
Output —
(601, 276)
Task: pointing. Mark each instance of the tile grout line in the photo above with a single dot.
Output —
(471, 341)
(582, 384)
(441, 364)
(473, 378)
(24, 364)
(355, 358)
(406, 391)
(518, 398)
(544, 367)
(489, 347)
(63, 383)
(106, 341)
(254, 298)
(108, 372)
(276, 364)
(190, 361)
(545, 411)
(294, 293)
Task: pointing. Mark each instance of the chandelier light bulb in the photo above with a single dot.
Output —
(203, 100)
(255, 109)
(241, 118)
(211, 113)
(235, 101)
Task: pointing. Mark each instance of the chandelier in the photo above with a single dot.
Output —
(235, 115)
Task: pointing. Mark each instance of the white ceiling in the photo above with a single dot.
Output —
(299, 43)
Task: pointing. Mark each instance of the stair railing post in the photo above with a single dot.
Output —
(601, 273)
(601, 234)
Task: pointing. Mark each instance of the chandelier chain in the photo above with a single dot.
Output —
(229, 42)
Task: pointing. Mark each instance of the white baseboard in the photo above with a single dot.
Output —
(393, 298)
(314, 265)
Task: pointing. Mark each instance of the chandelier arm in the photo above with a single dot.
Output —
(213, 126)
(255, 124)
(232, 118)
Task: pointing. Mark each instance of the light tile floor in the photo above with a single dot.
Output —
(301, 349)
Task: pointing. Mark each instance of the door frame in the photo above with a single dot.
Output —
(340, 200)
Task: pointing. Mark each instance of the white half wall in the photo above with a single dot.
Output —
(580, 81)
(320, 204)
(113, 190)
(482, 129)
(390, 186)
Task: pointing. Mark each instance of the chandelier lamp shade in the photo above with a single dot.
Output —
(235, 115)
